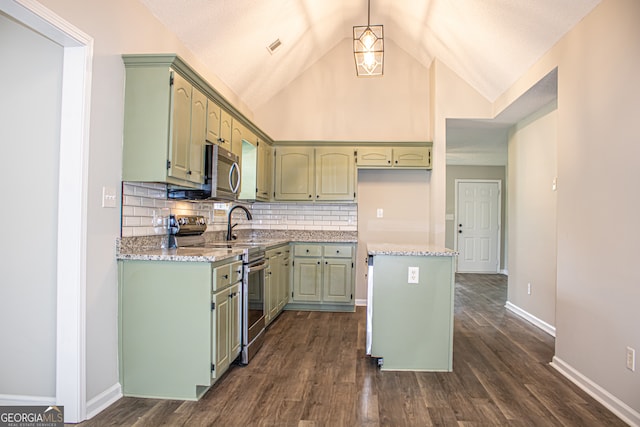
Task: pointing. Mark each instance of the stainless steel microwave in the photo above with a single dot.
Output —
(225, 173)
(222, 177)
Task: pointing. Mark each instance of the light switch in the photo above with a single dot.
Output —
(414, 275)
(109, 197)
(379, 213)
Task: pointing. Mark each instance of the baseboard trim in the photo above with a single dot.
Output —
(504, 271)
(615, 405)
(550, 329)
(16, 400)
(361, 303)
(103, 400)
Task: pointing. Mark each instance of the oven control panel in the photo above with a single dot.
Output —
(191, 224)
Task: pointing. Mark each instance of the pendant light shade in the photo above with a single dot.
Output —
(368, 48)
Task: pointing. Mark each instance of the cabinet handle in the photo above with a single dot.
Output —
(318, 262)
(396, 162)
(317, 196)
(389, 161)
(337, 251)
(307, 250)
(188, 172)
(326, 262)
(226, 276)
(309, 195)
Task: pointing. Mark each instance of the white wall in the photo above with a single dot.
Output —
(597, 314)
(329, 103)
(30, 139)
(532, 214)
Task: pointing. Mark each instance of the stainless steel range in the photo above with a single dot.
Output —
(253, 283)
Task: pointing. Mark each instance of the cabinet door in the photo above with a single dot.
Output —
(238, 133)
(268, 276)
(234, 321)
(412, 157)
(375, 156)
(335, 173)
(213, 122)
(274, 294)
(221, 339)
(294, 173)
(198, 136)
(284, 280)
(307, 276)
(337, 280)
(264, 171)
(180, 128)
(226, 122)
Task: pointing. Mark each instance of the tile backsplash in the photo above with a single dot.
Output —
(139, 200)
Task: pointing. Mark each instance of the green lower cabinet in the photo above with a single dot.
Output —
(226, 324)
(307, 279)
(337, 280)
(323, 277)
(168, 332)
(276, 281)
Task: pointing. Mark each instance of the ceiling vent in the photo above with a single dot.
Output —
(273, 46)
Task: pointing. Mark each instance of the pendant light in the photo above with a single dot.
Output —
(368, 48)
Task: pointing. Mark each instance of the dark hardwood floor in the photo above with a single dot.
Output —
(313, 371)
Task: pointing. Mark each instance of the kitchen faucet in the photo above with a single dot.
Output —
(229, 226)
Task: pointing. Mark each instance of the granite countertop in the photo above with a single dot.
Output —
(408, 250)
(145, 248)
(182, 254)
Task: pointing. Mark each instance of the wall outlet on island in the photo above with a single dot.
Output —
(414, 274)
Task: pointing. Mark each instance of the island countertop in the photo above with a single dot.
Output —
(408, 249)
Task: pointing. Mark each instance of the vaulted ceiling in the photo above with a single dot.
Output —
(489, 43)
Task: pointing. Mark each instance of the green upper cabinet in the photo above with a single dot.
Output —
(198, 136)
(410, 157)
(171, 113)
(164, 126)
(375, 156)
(294, 173)
(226, 123)
(264, 172)
(320, 174)
(335, 173)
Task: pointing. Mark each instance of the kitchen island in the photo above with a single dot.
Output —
(410, 307)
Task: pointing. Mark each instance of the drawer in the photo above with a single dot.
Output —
(236, 272)
(221, 277)
(307, 250)
(338, 251)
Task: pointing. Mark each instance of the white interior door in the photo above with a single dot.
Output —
(478, 226)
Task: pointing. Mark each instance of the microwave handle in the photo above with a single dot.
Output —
(234, 167)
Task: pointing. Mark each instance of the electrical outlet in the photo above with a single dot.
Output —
(631, 359)
(379, 213)
(414, 275)
(528, 288)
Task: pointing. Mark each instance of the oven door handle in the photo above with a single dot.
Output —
(258, 267)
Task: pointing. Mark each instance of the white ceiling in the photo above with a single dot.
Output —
(489, 43)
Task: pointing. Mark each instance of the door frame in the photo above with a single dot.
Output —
(72, 202)
(455, 227)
